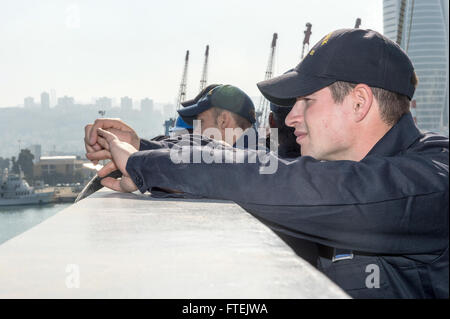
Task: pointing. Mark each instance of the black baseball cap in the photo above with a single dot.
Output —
(226, 97)
(199, 95)
(280, 109)
(349, 55)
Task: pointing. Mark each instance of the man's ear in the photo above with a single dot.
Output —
(362, 99)
(225, 120)
(272, 123)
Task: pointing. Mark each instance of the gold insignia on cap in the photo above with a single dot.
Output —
(326, 38)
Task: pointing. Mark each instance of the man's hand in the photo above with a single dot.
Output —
(96, 146)
(120, 152)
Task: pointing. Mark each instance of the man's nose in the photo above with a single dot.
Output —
(295, 115)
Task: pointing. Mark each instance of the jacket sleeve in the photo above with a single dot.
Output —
(392, 204)
(183, 140)
(146, 145)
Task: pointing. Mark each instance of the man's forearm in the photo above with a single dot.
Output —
(303, 181)
(312, 198)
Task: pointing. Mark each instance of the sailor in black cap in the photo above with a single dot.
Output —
(226, 115)
(286, 146)
(370, 188)
(223, 109)
(216, 106)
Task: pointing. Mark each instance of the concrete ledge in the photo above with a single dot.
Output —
(113, 245)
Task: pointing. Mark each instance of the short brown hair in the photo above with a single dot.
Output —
(392, 105)
(240, 121)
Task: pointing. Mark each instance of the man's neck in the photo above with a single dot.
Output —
(363, 146)
(232, 138)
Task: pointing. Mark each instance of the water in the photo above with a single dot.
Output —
(14, 220)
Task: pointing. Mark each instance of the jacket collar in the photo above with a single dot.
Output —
(398, 138)
(247, 143)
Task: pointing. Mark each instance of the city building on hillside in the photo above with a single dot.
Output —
(147, 105)
(103, 103)
(28, 102)
(45, 100)
(126, 103)
(66, 101)
(53, 99)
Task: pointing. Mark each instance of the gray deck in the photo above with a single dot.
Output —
(113, 245)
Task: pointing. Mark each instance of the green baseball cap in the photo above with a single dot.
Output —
(227, 97)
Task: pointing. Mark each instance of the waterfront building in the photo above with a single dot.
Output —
(62, 169)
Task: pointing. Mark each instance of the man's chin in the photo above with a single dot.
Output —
(304, 151)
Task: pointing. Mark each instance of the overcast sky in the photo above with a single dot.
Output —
(95, 48)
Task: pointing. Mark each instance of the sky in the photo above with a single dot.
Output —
(93, 48)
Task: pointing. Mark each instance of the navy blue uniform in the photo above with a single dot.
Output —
(390, 210)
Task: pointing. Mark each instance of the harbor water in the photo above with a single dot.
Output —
(15, 220)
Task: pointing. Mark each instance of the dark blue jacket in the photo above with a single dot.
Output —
(390, 209)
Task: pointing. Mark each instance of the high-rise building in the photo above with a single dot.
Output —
(28, 102)
(45, 100)
(66, 101)
(126, 103)
(53, 99)
(391, 16)
(147, 105)
(421, 28)
(103, 103)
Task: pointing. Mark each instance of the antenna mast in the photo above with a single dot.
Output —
(262, 113)
(204, 78)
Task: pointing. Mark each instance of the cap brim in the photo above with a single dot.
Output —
(199, 95)
(279, 108)
(189, 102)
(285, 89)
(189, 113)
